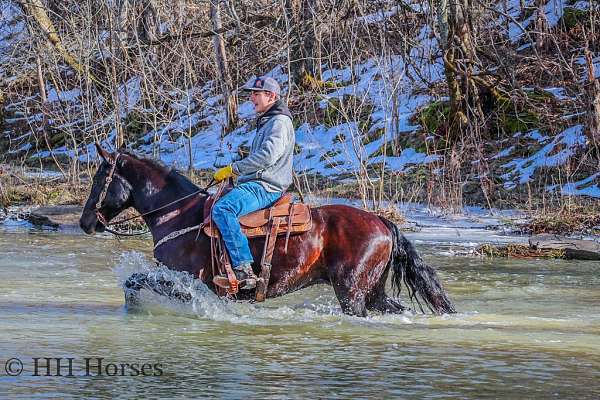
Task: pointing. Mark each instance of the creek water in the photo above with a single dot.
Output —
(525, 329)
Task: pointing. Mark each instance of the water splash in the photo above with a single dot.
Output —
(207, 305)
(204, 303)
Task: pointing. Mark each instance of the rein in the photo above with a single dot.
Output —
(104, 192)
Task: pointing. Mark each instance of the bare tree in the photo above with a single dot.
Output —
(37, 10)
(301, 18)
(229, 97)
(454, 17)
(593, 94)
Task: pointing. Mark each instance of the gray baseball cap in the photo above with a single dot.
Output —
(264, 84)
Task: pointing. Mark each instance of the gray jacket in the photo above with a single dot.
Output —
(270, 161)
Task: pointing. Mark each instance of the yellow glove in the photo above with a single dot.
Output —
(224, 173)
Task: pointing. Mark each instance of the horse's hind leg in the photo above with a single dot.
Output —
(351, 299)
(391, 305)
(354, 301)
(385, 304)
(355, 286)
(378, 300)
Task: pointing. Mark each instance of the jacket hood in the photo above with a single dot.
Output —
(278, 108)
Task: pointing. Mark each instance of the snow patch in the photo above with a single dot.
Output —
(557, 92)
(589, 186)
(553, 154)
(64, 95)
(130, 94)
(409, 156)
(12, 30)
(379, 16)
(554, 11)
(536, 135)
(504, 153)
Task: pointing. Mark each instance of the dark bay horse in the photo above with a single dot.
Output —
(348, 248)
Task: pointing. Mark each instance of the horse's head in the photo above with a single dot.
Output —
(110, 193)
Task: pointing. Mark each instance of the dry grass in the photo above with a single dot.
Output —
(392, 213)
(18, 189)
(564, 222)
(42, 195)
(518, 251)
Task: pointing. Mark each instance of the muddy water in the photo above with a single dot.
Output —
(525, 329)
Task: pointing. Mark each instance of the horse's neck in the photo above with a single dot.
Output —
(170, 217)
(148, 197)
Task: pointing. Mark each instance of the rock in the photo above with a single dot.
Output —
(41, 220)
(574, 248)
(56, 216)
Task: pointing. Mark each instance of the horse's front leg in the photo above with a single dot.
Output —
(157, 283)
(132, 287)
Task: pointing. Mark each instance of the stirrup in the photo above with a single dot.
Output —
(244, 284)
(246, 280)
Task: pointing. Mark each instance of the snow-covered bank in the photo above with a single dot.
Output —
(387, 93)
(471, 228)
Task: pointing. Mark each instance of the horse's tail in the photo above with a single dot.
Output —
(418, 277)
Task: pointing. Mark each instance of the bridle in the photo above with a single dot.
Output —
(102, 197)
(109, 178)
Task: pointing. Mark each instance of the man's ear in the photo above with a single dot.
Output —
(103, 153)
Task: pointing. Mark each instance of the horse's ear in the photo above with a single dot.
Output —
(103, 153)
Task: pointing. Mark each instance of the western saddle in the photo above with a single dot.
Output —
(283, 217)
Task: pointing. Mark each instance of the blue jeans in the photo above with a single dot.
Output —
(242, 200)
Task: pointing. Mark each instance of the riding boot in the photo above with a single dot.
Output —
(244, 275)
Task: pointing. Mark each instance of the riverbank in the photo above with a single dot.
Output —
(48, 200)
(475, 232)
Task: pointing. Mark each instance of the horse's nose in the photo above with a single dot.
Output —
(87, 222)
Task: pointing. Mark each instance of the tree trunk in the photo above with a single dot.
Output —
(37, 10)
(233, 14)
(541, 26)
(593, 92)
(44, 109)
(136, 17)
(442, 17)
(147, 22)
(230, 99)
(114, 81)
(304, 64)
(459, 59)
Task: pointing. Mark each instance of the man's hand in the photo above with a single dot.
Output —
(224, 173)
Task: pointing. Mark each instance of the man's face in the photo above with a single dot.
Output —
(262, 100)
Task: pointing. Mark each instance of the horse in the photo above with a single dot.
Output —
(348, 248)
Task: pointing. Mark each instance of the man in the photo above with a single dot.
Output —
(262, 176)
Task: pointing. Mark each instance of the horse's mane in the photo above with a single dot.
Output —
(171, 172)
